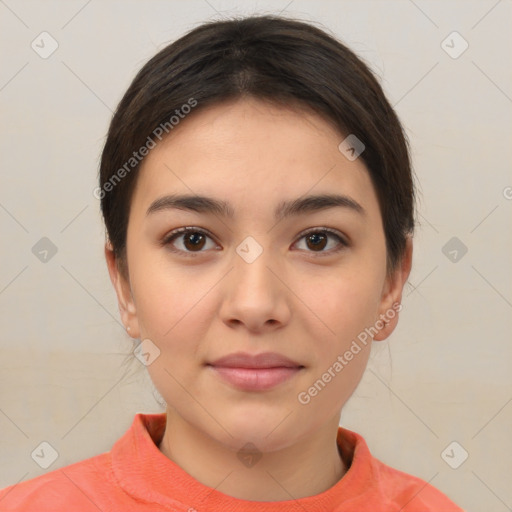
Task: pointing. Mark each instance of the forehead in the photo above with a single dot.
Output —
(253, 154)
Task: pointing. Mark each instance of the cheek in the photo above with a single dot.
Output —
(345, 308)
(171, 310)
(344, 304)
(168, 297)
(331, 384)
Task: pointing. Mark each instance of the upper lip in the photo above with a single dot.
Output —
(263, 360)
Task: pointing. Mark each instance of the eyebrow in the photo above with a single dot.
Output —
(301, 205)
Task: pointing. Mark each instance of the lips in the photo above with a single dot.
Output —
(257, 372)
(263, 360)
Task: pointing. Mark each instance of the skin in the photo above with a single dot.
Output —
(306, 303)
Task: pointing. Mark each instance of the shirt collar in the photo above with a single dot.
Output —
(146, 474)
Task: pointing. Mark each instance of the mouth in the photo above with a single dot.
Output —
(258, 372)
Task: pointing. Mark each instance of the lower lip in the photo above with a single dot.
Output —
(255, 379)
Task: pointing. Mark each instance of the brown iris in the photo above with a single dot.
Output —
(196, 240)
(316, 238)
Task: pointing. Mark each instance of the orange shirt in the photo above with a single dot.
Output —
(136, 477)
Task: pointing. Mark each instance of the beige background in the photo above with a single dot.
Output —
(444, 376)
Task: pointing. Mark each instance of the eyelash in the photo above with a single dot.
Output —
(183, 231)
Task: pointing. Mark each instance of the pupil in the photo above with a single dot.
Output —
(194, 239)
(316, 238)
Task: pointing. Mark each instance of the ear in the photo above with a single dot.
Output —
(122, 287)
(391, 300)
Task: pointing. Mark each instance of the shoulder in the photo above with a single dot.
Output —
(96, 483)
(377, 483)
(80, 483)
(410, 492)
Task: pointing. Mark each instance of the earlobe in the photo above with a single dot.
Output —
(122, 288)
(391, 302)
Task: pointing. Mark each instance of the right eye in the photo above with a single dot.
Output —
(192, 239)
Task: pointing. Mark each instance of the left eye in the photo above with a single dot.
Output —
(318, 239)
(195, 238)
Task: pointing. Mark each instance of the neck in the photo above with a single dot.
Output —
(309, 467)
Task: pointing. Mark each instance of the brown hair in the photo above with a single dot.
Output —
(272, 58)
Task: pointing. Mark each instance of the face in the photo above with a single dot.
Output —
(303, 284)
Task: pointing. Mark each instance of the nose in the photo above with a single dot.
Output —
(254, 294)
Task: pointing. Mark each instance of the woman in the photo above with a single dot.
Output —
(259, 205)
